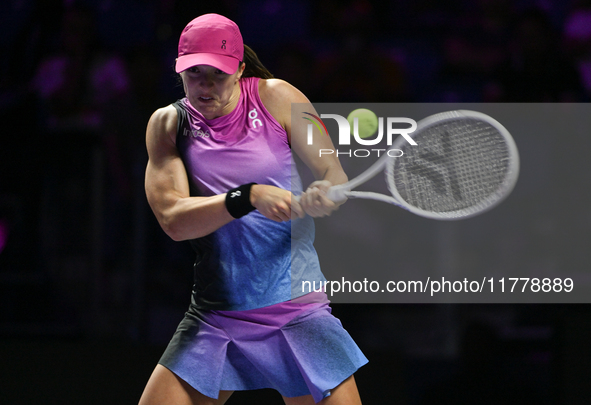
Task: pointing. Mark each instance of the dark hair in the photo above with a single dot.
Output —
(254, 67)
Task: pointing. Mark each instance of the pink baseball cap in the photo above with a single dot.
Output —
(210, 39)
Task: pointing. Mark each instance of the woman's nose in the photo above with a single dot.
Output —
(206, 80)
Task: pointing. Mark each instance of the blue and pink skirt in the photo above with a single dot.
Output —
(296, 347)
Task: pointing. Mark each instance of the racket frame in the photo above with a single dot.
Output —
(343, 191)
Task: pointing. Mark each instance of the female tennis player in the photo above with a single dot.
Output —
(220, 175)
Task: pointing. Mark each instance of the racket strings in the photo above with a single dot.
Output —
(458, 165)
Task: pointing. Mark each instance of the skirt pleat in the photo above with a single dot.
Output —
(296, 349)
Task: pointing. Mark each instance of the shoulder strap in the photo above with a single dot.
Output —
(183, 127)
(183, 120)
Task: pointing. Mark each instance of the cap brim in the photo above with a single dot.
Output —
(226, 64)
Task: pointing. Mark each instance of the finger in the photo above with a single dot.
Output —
(314, 208)
(327, 202)
(296, 209)
(283, 212)
(284, 216)
(321, 206)
(276, 216)
(297, 212)
(309, 197)
(307, 203)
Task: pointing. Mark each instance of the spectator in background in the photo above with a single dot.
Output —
(78, 80)
(83, 94)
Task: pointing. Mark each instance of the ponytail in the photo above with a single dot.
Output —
(254, 67)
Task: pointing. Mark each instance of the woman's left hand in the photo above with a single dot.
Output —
(315, 202)
(274, 203)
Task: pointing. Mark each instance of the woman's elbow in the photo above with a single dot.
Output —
(172, 228)
(175, 235)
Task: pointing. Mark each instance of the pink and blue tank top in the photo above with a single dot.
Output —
(251, 262)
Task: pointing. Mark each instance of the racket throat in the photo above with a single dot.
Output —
(440, 178)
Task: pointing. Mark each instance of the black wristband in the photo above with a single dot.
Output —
(238, 200)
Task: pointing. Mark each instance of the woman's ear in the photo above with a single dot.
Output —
(241, 69)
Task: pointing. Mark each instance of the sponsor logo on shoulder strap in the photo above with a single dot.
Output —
(194, 133)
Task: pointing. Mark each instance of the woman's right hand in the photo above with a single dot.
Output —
(275, 203)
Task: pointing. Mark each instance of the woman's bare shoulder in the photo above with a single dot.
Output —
(278, 96)
(163, 122)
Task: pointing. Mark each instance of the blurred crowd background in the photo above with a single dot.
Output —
(82, 259)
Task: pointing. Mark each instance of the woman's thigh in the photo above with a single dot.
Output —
(345, 393)
(166, 388)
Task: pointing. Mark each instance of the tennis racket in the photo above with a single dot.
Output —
(464, 164)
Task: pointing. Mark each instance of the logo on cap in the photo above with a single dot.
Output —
(210, 39)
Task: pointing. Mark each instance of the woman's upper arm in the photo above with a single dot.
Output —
(284, 101)
(166, 179)
(181, 216)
